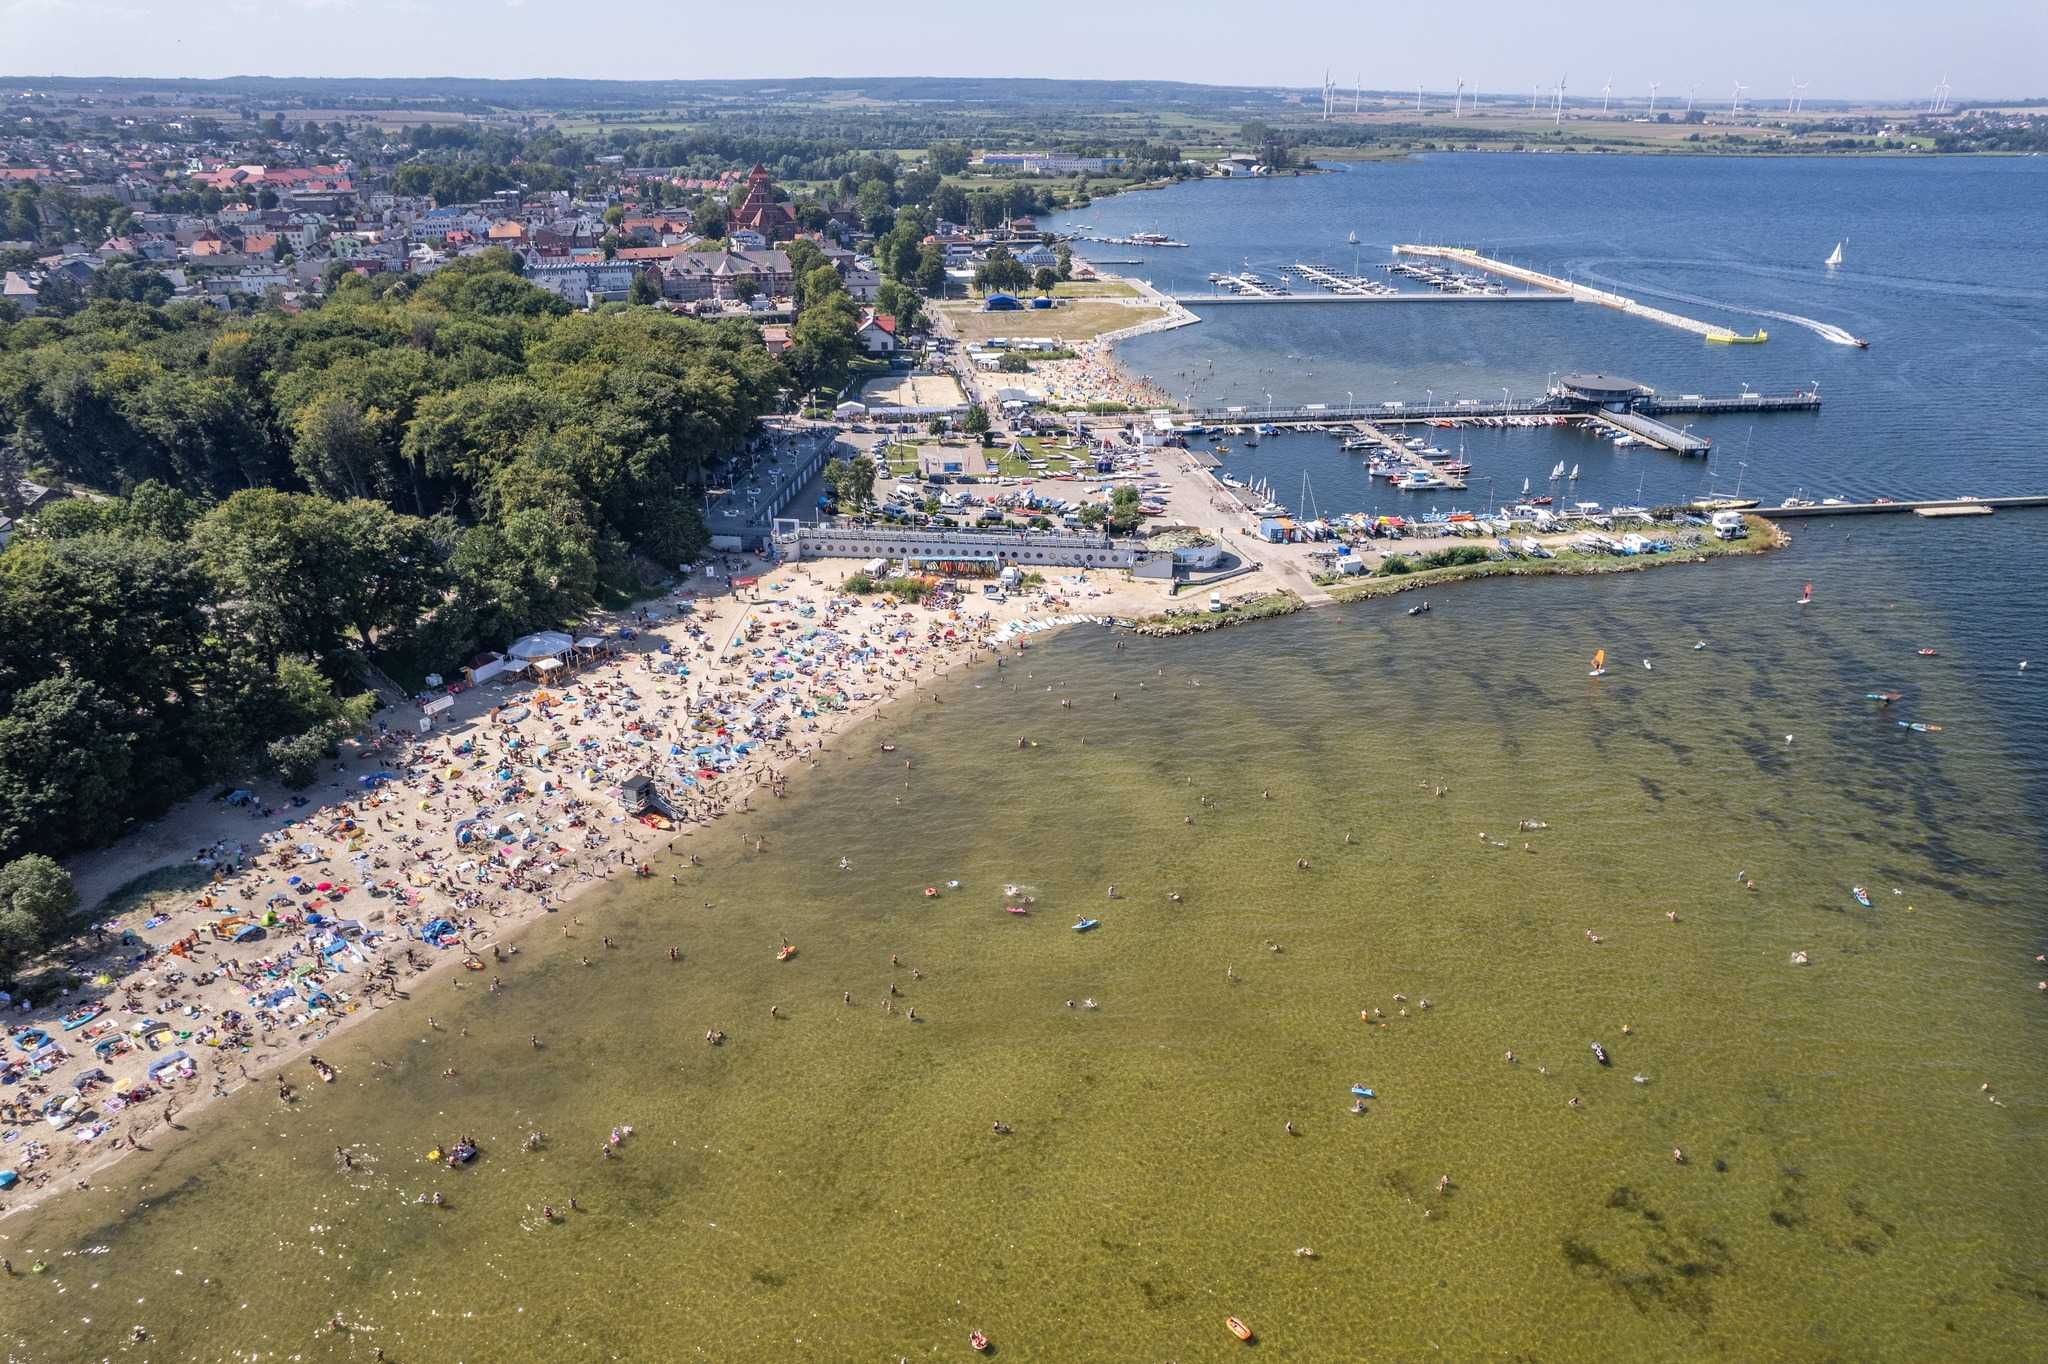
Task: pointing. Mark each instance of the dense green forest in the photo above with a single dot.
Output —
(394, 477)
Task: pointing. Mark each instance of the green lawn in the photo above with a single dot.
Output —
(1093, 288)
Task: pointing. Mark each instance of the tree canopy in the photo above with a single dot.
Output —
(397, 476)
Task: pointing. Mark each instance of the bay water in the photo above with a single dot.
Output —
(826, 1185)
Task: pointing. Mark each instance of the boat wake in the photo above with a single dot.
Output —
(1826, 330)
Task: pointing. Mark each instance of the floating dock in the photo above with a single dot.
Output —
(1414, 459)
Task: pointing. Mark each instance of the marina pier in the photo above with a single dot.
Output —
(1460, 255)
(1655, 432)
(1616, 402)
(1954, 506)
(1404, 297)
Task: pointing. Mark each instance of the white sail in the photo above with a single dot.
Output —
(1525, 487)
(1558, 472)
(1575, 473)
(1836, 258)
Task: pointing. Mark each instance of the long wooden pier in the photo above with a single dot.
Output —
(1805, 400)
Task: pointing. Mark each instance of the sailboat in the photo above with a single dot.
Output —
(1807, 595)
(1599, 663)
(1558, 472)
(1574, 475)
(1525, 487)
(1836, 258)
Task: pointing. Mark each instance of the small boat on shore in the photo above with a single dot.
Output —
(1083, 925)
(1599, 1053)
(786, 951)
(1362, 1092)
(1238, 1329)
(978, 1343)
(1862, 896)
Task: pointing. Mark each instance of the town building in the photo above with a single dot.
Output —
(759, 211)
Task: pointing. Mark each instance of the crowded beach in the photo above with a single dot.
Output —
(466, 812)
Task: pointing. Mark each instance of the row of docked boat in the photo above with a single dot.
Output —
(1248, 285)
(1336, 281)
(1444, 278)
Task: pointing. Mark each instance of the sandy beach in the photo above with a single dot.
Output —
(422, 853)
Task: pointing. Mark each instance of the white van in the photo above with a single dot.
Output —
(1215, 603)
(1729, 525)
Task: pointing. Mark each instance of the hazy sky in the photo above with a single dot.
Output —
(1838, 48)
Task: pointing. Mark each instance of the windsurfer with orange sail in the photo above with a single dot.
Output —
(1599, 663)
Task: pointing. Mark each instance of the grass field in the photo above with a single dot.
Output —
(1082, 320)
(1093, 288)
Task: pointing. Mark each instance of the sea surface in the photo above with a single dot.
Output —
(1945, 274)
(826, 1184)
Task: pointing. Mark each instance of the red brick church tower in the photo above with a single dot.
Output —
(760, 212)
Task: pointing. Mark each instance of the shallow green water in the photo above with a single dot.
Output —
(826, 1187)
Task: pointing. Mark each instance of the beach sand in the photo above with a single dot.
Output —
(506, 811)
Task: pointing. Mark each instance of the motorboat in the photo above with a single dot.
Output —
(1599, 1053)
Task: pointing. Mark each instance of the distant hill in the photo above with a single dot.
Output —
(1019, 94)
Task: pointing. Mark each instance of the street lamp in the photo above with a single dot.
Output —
(1505, 399)
(1350, 401)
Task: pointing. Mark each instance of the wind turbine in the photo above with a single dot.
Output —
(1792, 100)
(1535, 94)
(1418, 97)
(1653, 100)
(1557, 109)
(1357, 92)
(1458, 101)
(1690, 95)
(1735, 100)
(1605, 91)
